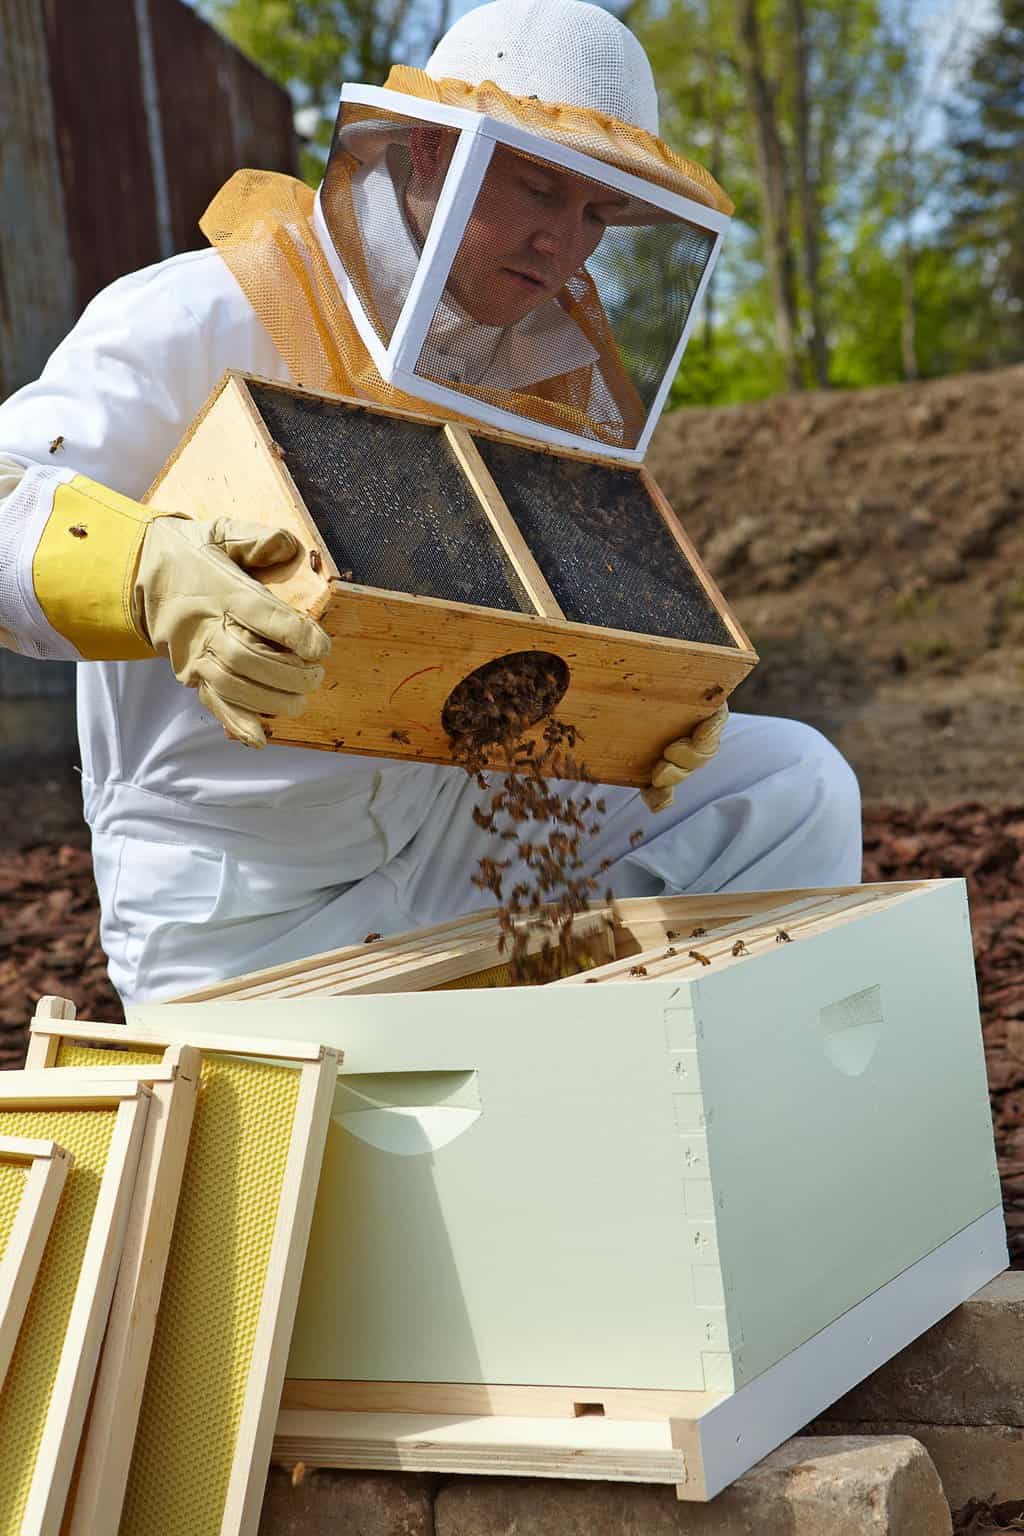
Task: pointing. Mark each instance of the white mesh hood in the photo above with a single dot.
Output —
(563, 51)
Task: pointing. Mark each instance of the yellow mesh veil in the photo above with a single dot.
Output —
(262, 225)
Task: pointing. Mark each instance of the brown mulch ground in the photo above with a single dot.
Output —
(49, 943)
(978, 1517)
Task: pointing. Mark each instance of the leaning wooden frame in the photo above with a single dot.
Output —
(428, 551)
(472, 951)
(205, 1426)
(101, 1119)
(32, 1175)
(725, 1135)
(104, 1456)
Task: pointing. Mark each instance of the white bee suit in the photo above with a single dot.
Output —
(212, 859)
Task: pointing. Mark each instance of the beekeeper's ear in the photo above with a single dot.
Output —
(431, 148)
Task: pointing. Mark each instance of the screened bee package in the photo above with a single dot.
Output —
(469, 580)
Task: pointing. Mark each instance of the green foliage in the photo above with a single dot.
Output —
(312, 46)
(987, 220)
(896, 206)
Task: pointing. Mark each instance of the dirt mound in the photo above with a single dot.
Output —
(872, 545)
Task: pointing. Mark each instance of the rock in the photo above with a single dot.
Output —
(322, 1503)
(843, 1486)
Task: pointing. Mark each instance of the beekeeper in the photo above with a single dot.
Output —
(212, 860)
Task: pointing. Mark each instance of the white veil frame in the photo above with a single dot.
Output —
(478, 137)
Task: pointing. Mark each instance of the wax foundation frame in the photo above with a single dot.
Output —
(49, 1410)
(229, 1506)
(736, 1155)
(397, 656)
(41, 1167)
(479, 135)
(104, 1455)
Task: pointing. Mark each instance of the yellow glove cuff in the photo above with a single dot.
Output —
(84, 569)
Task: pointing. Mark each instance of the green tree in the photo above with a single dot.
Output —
(987, 139)
(312, 46)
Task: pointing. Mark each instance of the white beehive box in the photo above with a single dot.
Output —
(718, 1196)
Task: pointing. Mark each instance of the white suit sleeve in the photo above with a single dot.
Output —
(112, 402)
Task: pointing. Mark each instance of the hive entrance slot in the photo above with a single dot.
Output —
(588, 1410)
(504, 697)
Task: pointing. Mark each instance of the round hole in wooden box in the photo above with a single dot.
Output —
(505, 696)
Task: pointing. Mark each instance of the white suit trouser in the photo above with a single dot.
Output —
(777, 808)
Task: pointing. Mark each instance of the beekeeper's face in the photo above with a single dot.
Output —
(531, 228)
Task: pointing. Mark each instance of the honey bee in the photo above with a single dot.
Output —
(739, 948)
(698, 933)
(277, 450)
(315, 560)
(371, 938)
(695, 954)
(345, 575)
(402, 736)
(713, 692)
(638, 970)
(670, 952)
(782, 937)
(57, 445)
(78, 531)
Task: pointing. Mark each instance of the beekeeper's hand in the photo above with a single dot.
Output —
(683, 757)
(245, 651)
(121, 581)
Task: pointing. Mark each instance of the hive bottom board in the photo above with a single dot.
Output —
(701, 1452)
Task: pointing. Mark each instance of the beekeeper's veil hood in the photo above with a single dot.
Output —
(513, 240)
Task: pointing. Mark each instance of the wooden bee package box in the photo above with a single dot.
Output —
(437, 556)
(718, 1179)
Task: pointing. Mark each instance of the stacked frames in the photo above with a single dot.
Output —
(630, 940)
(182, 1231)
(119, 1169)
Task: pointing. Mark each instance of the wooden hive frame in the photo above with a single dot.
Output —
(230, 1505)
(396, 656)
(469, 950)
(46, 1395)
(41, 1168)
(104, 1456)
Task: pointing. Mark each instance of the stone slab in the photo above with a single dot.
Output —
(965, 1370)
(974, 1461)
(827, 1486)
(322, 1503)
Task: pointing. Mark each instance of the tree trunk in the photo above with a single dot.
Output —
(810, 205)
(773, 174)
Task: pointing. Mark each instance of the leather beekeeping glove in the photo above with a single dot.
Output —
(123, 582)
(683, 757)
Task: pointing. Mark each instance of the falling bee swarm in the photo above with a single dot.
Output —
(537, 823)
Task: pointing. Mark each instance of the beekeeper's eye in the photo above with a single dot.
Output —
(542, 192)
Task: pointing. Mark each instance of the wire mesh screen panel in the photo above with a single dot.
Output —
(602, 545)
(566, 300)
(378, 212)
(389, 501)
